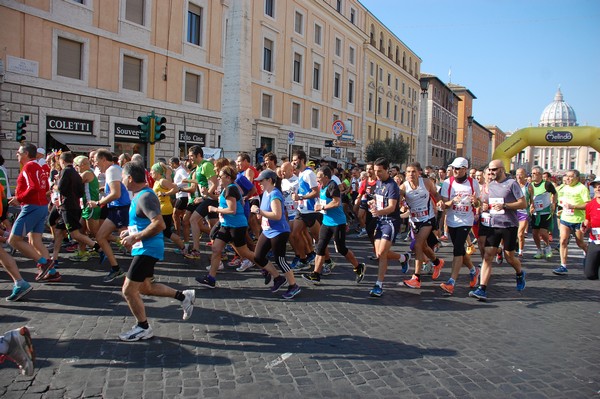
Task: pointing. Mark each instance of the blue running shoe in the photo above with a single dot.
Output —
(311, 257)
(521, 281)
(376, 292)
(479, 294)
(405, 263)
(560, 271)
(294, 264)
(291, 292)
(19, 292)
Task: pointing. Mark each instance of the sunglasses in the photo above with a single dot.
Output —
(493, 169)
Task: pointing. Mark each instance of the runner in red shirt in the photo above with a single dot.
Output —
(592, 224)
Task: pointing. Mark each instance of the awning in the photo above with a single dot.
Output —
(79, 143)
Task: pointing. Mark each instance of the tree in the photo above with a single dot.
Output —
(394, 150)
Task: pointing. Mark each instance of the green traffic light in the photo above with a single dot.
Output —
(144, 127)
(21, 131)
(159, 128)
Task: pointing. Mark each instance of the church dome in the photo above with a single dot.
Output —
(558, 113)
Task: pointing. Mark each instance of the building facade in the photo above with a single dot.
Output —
(225, 74)
(438, 123)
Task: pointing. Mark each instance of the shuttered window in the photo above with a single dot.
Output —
(192, 87)
(132, 73)
(68, 63)
(134, 11)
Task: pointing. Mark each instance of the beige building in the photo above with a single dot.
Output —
(227, 75)
(391, 87)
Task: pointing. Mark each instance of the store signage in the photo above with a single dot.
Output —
(127, 131)
(194, 138)
(558, 137)
(69, 125)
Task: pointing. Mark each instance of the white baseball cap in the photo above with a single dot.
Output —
(460, 162)
(40, 150)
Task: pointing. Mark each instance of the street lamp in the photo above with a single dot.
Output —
(423, 138)
(470, 138)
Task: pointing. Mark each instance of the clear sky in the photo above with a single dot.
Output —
(512, 54)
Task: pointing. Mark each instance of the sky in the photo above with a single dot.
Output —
(511, 54)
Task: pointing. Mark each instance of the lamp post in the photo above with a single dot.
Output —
(470, 139)
(423, 138)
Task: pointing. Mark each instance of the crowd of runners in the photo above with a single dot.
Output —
(278, 217)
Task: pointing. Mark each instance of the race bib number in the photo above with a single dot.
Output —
(379, 202)
(134, 230)
(264, 223)
(494, 201)
(461, 208)
(486, 219)
(420, 213)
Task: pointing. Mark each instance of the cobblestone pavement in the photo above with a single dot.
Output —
(332, 341)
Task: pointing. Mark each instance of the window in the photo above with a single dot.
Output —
(270, 8)
(134, 11)
(267, 103)
(297, 67)
(353, 16)
(351, 55)
(68, 58)
(192, 87)
(336, 85)
(338, 6)
(268, 55)
(389, 79)
(318, 31)
(371, 69)
(379, 106)
(351, 91)
(370, 102)
(387, 110)
(317, 76)
(395, 112)
(295, 113)
(335, 118)
(397, 83)
(381, 74)
(132, 73)
(402, 116)
(338, 46)
(315, 118)
(194, 32)
(299, 23)
(403, 88)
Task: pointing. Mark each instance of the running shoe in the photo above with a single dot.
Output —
(443, 238)
(137, 333)
(51, 278)
(235, 262)
(20, 349)
(19, 291)
(266, 275)
(560, 271)
(245, 265)
(538, 254)
(291, 292)
(474, 277)
(548, 253)
(362, 234)
(328, 268)
(313, 277)
(113, 275)
(414, 282)
(43, 269)
(437, 270)
(376, 291)
(229, 249)
(80, 256)
(360, 272)
(193, 254)
(521, 283)
(448, 288)
(72, 247)
(405, 263)
(373, 257)
(500, 258)
(221, 267)
(101, 257)
(310, 257)
(294, 263)
(479, 294)
(278, 282)
(304, 266)
(188, 303)
(207, 281)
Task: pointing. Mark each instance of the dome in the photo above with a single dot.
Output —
(558, 113)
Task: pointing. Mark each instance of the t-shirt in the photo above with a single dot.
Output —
(32, 185)
(307, 179)
(461, 212)
(288, 188)
(70, 187)
(542, 199)
(384, 192)
(114, 173)
(333, 216)
(180, 175)
(272, 228)
(504, 192)
(204, 171)
(573, 195)
(592, 212)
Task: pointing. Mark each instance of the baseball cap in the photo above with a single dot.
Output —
(460, 162)
(267, 174)
(40, 150)
(597, 181)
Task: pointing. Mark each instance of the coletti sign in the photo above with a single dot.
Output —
(558, 137)
(55, 123)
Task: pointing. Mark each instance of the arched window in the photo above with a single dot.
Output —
(373, 35)
(404, 60)
(390, 49)
(397, 55)
(381, 48)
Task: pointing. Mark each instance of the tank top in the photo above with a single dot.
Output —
(153, 246)
(542, 199)
(166, 206)
(239, 218)
(272, 228)
(91, 190)
(419, 201)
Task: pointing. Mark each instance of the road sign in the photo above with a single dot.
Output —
(338, 128)
(291, 137)
(338, 150)
(344, 143)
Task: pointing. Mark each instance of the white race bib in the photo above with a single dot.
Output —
(134, 230)
(494, 201)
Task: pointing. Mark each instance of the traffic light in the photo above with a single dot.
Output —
(21, 125)
(159, 127)
(144, 128)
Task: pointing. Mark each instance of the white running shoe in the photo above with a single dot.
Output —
(188, 303)
(20, 349)
(221, 266)
(246, 264)
(137, 333)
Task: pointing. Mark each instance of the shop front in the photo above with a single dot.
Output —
(71, 134)
(127, 141)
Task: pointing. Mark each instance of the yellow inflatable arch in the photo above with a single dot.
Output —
(570, 136)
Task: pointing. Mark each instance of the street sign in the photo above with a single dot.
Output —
(291, 137)
(344, 143)
(338, 128)
(328, 143)
(338, 150)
